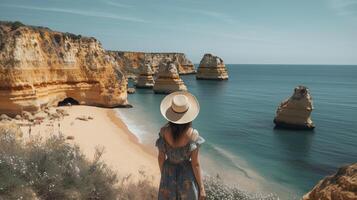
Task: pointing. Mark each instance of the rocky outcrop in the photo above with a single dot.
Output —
(40, 67)
(340, 186)
(212, 68)
(168, 79)
(145, 78)
(295, 112)
(131, 62)
(183, 65)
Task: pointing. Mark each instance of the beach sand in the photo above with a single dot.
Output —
(122, 151)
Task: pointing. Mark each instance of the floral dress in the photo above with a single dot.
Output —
(178, 181)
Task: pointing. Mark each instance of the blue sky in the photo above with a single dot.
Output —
(239, 31)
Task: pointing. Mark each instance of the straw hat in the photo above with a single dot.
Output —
(180, 107)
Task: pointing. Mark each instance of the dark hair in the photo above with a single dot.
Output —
(178, 129)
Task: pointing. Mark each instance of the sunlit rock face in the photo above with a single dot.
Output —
(168, 79)
(131, 62)
(212, 68)
(295, 112)
(145, 78)
(340, 186)
(40, 67)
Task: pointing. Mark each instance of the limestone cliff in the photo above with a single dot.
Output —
(168, 79)
(295, 112)
(40, 67)
(340, 186)
(145, 78)
(212, 68)
(132, 61)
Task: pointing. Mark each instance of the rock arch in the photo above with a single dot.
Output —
(68, 101)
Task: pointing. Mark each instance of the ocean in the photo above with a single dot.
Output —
(236, 119)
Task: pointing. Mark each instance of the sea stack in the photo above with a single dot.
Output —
(212, 68)
(340, 186)
(294, 113)
(168, 79)
(40, 67)
(145, 78)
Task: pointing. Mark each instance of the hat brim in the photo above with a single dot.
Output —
(180, 118)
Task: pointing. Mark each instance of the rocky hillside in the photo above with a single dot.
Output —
(40, 67)
(131, 61)
(340, 186)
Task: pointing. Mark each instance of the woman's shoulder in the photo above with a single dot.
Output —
(164, 130)
(193, 134)
(196, 139)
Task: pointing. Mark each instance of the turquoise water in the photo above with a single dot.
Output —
(236, 119)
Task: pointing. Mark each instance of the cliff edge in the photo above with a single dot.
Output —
(40, 67)
(340, 186)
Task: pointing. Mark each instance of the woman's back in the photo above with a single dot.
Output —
(180, 150)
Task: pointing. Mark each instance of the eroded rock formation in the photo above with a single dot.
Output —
(340, 186)
(295, 112)
(132, 61)
(40, 67)
(168, 79)
(212, 68)
(145, 78)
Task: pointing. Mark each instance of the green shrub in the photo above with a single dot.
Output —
(16, 25)
(217, 190)
(52, 169)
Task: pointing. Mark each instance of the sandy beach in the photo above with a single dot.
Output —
(122, 151)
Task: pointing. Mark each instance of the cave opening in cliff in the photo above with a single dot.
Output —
(68, 101)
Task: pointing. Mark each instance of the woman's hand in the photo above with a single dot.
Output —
(202, 194)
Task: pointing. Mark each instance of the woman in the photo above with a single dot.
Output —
(178, 145)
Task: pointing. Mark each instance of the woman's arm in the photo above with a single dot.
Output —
(197, 172)
(161, 159)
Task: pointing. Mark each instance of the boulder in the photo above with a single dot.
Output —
(70, 137)
(131, 90)
(55, 116)
(40, 116)
(168, 80)
(18, 117)
(212, 68)
(82, 117)
(294, 113)
(26, 115)
(340, 186)
(62, 112)
(4, 117)
(145, 78)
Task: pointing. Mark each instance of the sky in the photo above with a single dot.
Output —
(238, 31)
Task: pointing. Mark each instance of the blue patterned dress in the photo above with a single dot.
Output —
(178, 181)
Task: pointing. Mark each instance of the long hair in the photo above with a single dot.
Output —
(178, 129)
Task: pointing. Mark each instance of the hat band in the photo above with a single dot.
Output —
(180, 112)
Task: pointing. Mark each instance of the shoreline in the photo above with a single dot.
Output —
(115, 119)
